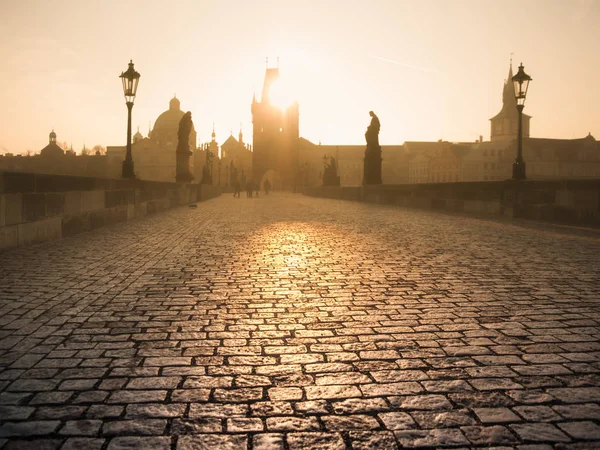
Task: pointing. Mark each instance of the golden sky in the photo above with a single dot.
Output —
(431, 69)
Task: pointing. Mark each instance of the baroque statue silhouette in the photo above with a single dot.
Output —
(183, 153)
(330, 173)
(372, 161)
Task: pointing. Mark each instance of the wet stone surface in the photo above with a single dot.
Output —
(287, 322)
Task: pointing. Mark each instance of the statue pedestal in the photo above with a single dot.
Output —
(183, 174)
(372, 165)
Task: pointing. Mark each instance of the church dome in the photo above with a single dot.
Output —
(167, 124)
(137, 136)
(52, 149)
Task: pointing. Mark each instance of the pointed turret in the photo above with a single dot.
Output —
(271, 76)
(508, 93)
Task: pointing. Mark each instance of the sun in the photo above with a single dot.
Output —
(281, 94)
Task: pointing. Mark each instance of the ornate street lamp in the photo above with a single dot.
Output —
(521, 83)
(130, 79)
(219, 164)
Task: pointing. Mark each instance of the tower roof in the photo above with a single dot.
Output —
(271, 76)
(230, 141)
(509, 102)
(508, 93)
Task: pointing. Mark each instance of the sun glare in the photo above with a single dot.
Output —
(281, 94)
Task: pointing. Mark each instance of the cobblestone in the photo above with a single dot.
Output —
(288, 322)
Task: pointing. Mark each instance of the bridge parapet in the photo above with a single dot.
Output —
(560, 201)
(38, 207)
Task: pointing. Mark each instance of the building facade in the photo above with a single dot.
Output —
(154, 156)
(236, 160)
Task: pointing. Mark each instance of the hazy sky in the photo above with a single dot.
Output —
(430, 69)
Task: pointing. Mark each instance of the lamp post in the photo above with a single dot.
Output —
(219, 164)
(521, 83)
(130, 79)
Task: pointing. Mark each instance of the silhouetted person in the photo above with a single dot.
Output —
(249, 189)
(237, 189)
(267, 186)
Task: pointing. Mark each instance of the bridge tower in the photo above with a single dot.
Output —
(275, 136)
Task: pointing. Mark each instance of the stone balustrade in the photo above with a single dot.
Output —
(37, 207)
(565, 201)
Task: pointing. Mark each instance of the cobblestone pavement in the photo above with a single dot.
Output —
(288, 322)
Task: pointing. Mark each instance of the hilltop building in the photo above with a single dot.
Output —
(52, 159)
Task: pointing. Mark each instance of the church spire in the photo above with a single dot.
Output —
(508, 93)
(240, 135)
(213, 135)
(504, 125)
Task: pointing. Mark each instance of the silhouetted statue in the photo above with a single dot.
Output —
(372, 165)
(330, 174)
(206, 172)
(183, 173)
(372, 134)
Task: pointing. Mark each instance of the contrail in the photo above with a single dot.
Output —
(422, 69)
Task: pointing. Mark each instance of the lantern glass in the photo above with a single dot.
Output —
(130, 79)
(521, 84)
